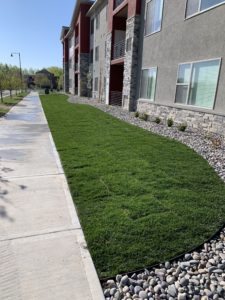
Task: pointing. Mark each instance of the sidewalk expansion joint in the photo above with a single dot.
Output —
(39, 234)
(32, 176)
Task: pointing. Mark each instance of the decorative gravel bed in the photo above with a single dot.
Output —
(198, 275)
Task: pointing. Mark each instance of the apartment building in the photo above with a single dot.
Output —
(161, 57)
(76, 50)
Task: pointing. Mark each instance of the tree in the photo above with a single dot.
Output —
(42, 81)
(2, 80)
(58, 73)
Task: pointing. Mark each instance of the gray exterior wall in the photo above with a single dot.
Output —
(180, 40)
(99, 40)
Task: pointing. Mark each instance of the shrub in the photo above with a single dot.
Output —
(182, 127)
(170, 122)
(216, 141)
(157, 120)
(143, 117)
(136, 114)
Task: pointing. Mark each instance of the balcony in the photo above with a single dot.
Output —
(118, 50)
(117, 3)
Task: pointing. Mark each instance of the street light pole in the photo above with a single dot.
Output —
(21, 77)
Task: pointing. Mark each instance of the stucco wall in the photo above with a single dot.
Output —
(200, 37)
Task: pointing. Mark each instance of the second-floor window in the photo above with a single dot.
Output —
(196, 6)
(97, 21)
(92, 26)
(154, 12)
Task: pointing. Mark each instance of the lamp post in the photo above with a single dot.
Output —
(21, 77)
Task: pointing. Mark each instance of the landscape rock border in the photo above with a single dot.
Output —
(199, 275)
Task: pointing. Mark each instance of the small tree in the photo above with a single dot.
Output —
(2, 81)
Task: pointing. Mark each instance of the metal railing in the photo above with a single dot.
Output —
(115, 98)
(117, 3)
(118, 50)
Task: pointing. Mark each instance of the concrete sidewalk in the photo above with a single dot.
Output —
(43, 253)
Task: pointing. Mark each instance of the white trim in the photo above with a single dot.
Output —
(199, 9)
(192, 63)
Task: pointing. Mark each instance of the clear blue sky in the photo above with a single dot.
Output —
(32, 27)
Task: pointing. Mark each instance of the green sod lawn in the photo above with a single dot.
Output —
(141, 198)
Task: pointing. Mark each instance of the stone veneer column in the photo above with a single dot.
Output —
(84, 69)
(131, 63)
(108, 66)
(66, 77)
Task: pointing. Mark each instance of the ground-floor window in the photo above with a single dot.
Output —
(96, 84)
(148, 83)
(197, 83)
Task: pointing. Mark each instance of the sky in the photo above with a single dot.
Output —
(32, 27)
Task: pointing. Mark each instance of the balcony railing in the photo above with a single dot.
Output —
(77, 40)
(118, 50)
(116, 98)
(117, 3)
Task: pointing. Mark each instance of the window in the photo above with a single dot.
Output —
(91, 56)
(92, 26)
(70, 63)
(97, 21)
(148, 83)
(96, 84)
(154, 11)
(196, 6)
(105, 49)
(96, 53)
(128, 44)
(197, 83)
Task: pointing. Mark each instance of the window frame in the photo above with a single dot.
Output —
(146, 99)
(199, 9)
(161, 25)
(190, 79)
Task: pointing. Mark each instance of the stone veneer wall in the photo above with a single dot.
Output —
(108, 66)
(203, 121)
(84, 69)
(66, 78)
(131, 63)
